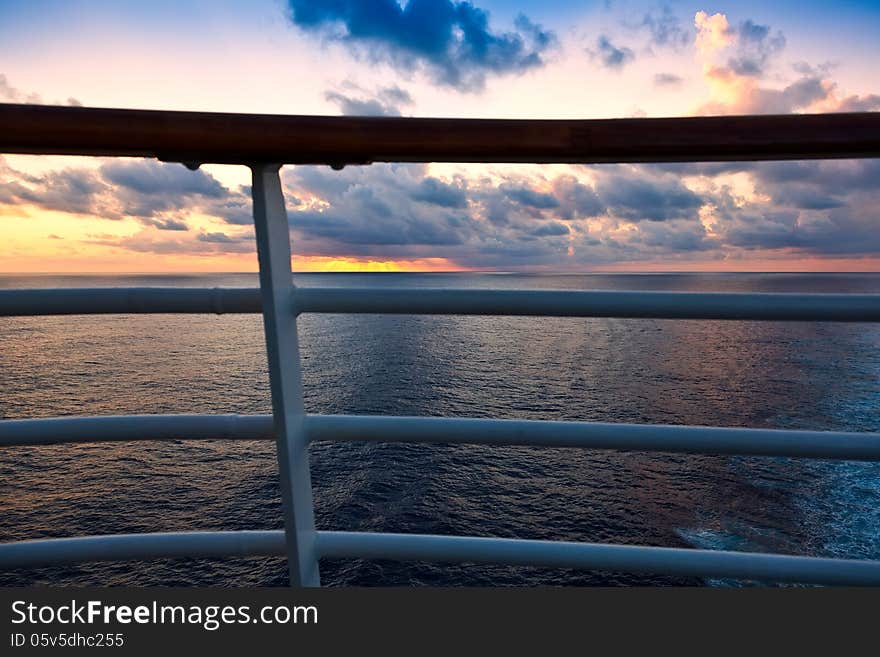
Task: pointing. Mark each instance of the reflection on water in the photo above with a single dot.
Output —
(758, 374)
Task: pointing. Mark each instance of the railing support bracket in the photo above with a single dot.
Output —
(285, 376)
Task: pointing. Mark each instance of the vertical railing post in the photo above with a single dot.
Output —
(285, 377)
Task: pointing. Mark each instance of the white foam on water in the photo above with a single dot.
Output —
(851, 491)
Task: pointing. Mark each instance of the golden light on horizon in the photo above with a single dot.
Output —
(352, 264)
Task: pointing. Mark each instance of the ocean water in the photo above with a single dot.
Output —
(748, 374)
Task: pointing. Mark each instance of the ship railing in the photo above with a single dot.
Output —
(264, 142)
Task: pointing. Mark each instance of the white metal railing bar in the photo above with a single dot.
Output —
(93, 301)
(285, 376)
(117, 428)
(594, 303)
(597, 435)
(599, 556)
(843, 445)
(448, 549)
(135, 547)
(560, 303)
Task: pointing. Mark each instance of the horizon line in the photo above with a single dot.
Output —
(451, 271)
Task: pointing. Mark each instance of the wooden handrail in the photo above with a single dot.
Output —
(201, 137)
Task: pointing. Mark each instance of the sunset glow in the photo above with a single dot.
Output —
(544, 60)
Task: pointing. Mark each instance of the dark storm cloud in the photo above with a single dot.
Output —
(611, 56)
(452, 40)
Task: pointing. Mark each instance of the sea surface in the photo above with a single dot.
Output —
(738, 373)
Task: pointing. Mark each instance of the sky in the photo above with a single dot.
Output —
(444, 58)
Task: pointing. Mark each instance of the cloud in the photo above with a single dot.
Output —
(868, 103)
(575, 199)
(639, 198)
(360, 107)
(165, 224)
(844, 176)
(149, 177)
(148, 189)
(553, 228)
(674, 237)
(77, 191)
(508, 220)
(450, 40)
(490, 217)
(149, 241)
(432, 190)
(713, 32)
(667, 80)
(397, 95)
(10, 94)
(155, 194)
(386, 103)
(736, 63)
(361, 208)
(819, 208)
(754, 44)
(529, 197)
(665, 29)
(816, 207)
(755, 47)
(222, 238)
(609, 55)
(401, 211)
(743, 95)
